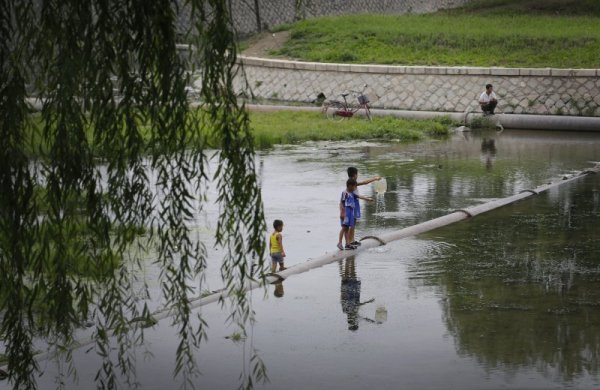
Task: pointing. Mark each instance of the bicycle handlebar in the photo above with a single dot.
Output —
(359, 92)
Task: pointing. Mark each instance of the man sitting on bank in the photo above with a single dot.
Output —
(488, 100)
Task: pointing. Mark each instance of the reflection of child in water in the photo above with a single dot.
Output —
(350, 293)
(278, 289)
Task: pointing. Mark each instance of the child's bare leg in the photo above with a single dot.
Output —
(281, 266)
(347, 236)
(273, 266)
(351, 234)
(341, 236)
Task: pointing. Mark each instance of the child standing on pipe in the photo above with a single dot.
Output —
(276, 246)
(353, 174)
(347, 214)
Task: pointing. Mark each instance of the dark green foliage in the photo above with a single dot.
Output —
(482, 122)
(65, 209)
(540, 7)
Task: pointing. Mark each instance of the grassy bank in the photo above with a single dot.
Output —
(290, 127)
(287, 127)
(534, 33)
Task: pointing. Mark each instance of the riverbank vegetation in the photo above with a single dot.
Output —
(509, 33)
(289, 127)
(292, 127)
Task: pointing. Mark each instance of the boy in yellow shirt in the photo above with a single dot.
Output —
(276, 246)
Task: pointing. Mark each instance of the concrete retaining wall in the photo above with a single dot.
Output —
(454, 89)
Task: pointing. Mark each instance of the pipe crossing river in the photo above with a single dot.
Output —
(372, 242)
(367, 243)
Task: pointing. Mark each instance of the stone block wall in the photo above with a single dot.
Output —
(452, 89)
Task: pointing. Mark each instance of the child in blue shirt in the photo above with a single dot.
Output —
(353, 174)
(347, 220)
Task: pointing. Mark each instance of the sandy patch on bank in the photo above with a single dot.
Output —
(264, 43)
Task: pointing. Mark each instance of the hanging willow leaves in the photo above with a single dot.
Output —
(116, 151)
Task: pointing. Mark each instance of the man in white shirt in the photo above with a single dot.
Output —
(488, 100)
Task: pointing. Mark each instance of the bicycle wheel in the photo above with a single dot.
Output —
(331, 111)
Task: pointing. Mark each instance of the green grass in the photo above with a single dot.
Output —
(288, 127)
(510, 33)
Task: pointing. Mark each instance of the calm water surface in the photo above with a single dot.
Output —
(509, 299)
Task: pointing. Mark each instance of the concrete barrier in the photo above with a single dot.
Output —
(538, 91)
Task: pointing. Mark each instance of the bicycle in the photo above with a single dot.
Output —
(337, 110)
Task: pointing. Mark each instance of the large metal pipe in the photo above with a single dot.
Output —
(549, 122)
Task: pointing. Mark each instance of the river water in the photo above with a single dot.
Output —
(509, 299)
